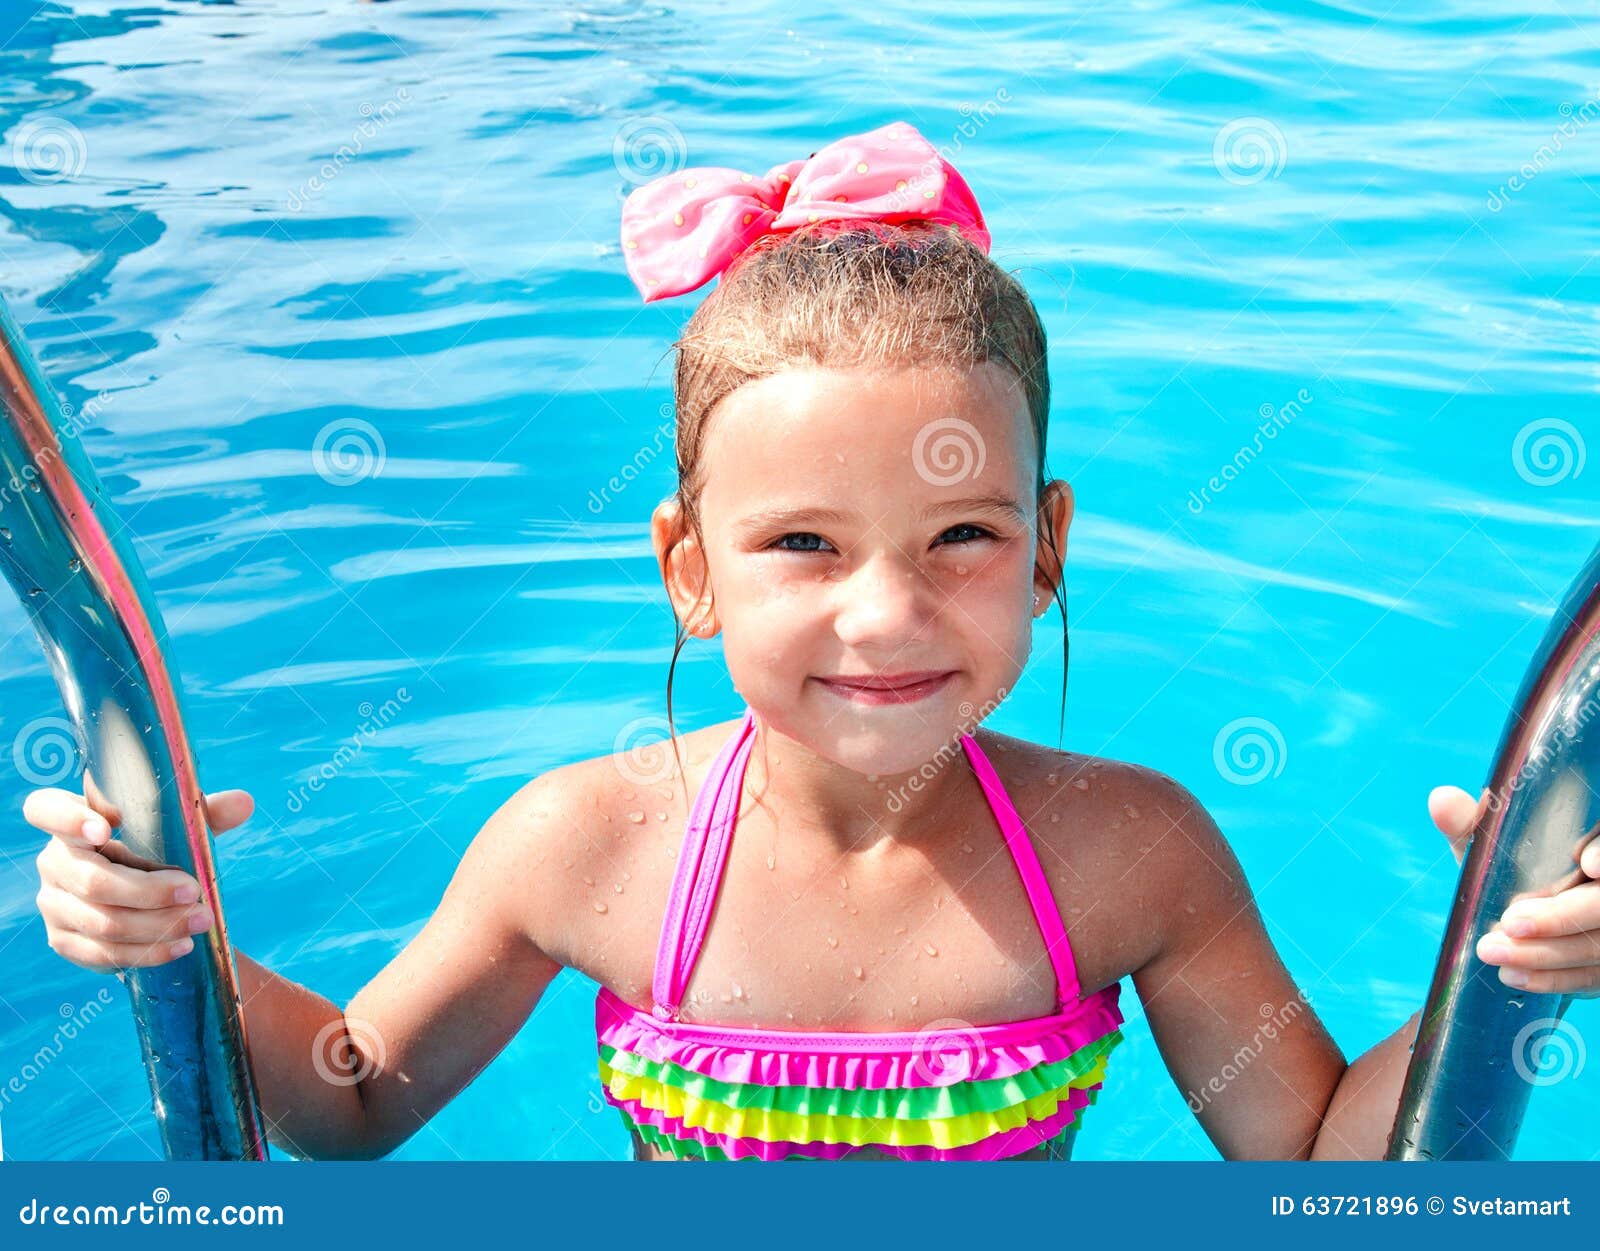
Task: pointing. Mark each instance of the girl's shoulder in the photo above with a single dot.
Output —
(588, 846)
(1120, 836)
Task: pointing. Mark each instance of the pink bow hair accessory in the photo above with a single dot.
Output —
(682, 229)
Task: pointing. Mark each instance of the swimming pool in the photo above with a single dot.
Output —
(341, 287)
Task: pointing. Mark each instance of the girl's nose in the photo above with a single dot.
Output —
(884, 600)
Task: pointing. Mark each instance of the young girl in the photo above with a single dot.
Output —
(870, 928)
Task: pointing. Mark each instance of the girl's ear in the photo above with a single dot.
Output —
(683, 567)
(1056, 505)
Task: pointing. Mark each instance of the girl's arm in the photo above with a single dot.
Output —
(1256, 1065)
(358, 1082)
(1246, 1049)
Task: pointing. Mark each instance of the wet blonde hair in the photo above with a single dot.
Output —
(843, 294)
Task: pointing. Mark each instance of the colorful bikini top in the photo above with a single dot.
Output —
(975, 1092)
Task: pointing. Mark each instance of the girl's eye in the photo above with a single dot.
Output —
(975, 532)
(806, 545)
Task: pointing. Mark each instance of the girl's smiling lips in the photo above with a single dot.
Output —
(887, 688)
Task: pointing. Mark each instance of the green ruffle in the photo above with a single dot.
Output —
(898, 1103)
(689, 1149)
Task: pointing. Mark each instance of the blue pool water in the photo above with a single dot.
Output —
(1280, 238)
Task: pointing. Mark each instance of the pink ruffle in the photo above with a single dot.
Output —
(996, 1147)
(860, 1061)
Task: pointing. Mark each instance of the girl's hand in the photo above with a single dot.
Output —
(104, 907)
(1541, 945)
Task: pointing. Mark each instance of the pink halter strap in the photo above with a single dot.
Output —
(704, 856)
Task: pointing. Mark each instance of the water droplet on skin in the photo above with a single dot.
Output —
(772, 861)
(899, 929)
(966, 849)
(666, 792)
(661, 816)
(587, 880)
(626, 876)
(913, 1001)
(1055, 816)
(738, 991)
(854, 911)
(636, 817)
(1080, 784)
(1097, 764)
(600, 907)
(844, 882)
(832, 941)
(1052, 778)
(961, 569)
(566, 864)
(617, 886)
(726, 998)
(930, 949)
(1189, 908)
(1133, 813)
(857, 971)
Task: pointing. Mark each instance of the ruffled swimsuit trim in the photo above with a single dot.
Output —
(959, 1098)
(673, 1135)
(871, 1061)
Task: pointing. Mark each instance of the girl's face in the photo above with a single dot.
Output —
(866, 528)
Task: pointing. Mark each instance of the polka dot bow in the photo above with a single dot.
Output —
(681, 230)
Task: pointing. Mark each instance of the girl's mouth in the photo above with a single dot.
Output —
(888, 688)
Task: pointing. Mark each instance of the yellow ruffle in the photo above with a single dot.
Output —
(770, 1125)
